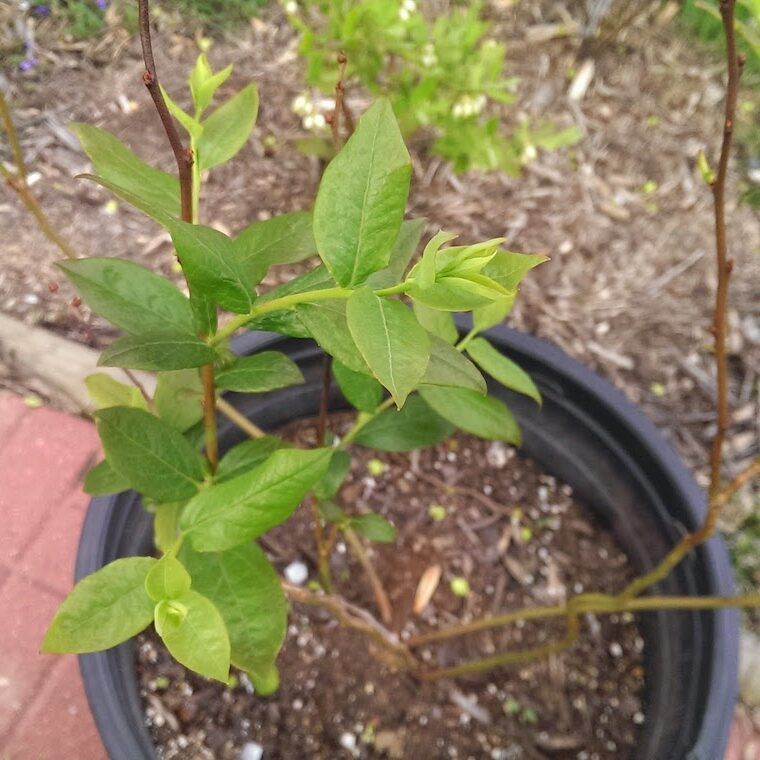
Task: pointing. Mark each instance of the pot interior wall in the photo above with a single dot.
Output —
(586, 435)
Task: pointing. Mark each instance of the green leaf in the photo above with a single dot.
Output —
(245, 589)
(326, 322)
(154, 458)
(391, 340)
(150, 210)
(204, 83)
(129, 296)
(403, 249)
(103, 609)
(262, 372)
(508, 269)
(230, 513)
(426, 270)
(247, 455)
(195, 635)
(166, 525)
(332, 480)
(105, 391)
(361, 199)
(502, 369)
(228, 128)
(191, 126)
(167, 579)
(474, 413)
(284, 239)
(448, 367)
(102, 479)
(179, 398)
(494, 313)
(454, 294)
(157, 351)
(116, 163)
(361, 391)
(413, 427)
(440, 323)
(211, 265)
(374, 527)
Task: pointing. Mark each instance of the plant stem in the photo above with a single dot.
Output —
(597, 604)
(240, 420)
(322, 546)
(340, 89)
(209, 417)
(292, 300)
(358, 619)
(15, 143)
(189, 183)
(720, 323)
(140, 387)
(183, 157)
(19, 186)
(745, 476)
(383, 603)
(724, 266)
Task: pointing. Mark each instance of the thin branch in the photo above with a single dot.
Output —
(724, 265)
(233, 415)
(140, 387)
(585, 604)
(15, 143)
(21, 189)
(210, 436)
(182, 156)
(748, 474)
(354, 617)
(341, 107)
(720, 323)
(381, 598)
(184, 159)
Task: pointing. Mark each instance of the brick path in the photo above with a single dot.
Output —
(43, 710)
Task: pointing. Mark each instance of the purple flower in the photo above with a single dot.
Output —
(102, 4)
(42, 10)
(28, 63)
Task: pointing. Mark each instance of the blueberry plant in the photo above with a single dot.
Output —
(211, 593)
(444, 75)
(381, 314)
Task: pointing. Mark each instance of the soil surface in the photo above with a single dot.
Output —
(624, 215)
(519, 538)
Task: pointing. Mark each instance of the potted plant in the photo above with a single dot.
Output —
(184, 502)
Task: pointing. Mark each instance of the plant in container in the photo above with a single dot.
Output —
(369, 329)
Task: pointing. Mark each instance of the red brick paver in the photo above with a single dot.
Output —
(43, 455)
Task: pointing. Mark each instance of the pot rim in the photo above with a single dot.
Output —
(118, 712)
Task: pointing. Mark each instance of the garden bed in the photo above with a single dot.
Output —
(519, 538)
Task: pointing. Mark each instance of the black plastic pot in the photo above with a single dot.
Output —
(587, 435)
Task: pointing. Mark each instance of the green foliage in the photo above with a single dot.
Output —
(443, 75)
(104, 609)
(212, 595)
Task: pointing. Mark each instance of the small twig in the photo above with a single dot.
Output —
(184, 159)
(15, 143)
(720, 323)
(340, 104)
(21, 189)
(233, 415)
(381, 598)
(724, 265)
(182, 156)
(354, 617)
(140, 387)
(745, 476)
(490, 504)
